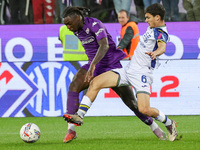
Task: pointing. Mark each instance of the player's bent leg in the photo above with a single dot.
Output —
(75, 87)
(100, 82)
(78, 84)
(143, 100)
(144, 107)
(127, 96)
(97, 83)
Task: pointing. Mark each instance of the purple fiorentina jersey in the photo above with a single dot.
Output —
(94, 30)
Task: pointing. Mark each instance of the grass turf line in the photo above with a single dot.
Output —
(99, 133)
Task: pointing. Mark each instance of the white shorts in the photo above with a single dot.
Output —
(140, 82)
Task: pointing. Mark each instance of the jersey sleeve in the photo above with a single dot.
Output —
(160, 35)
(99, 30)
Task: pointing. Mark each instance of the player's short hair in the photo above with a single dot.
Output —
(156, 9)
(127, 13)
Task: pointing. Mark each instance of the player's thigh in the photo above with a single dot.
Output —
(105, 80)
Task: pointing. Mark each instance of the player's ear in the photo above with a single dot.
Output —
(157, 17)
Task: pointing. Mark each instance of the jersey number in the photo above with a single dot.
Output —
(144, 79)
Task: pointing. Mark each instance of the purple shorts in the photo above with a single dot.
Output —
(102, 68)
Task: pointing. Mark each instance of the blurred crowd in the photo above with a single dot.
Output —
(50, 11)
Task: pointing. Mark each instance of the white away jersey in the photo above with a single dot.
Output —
(141, 62)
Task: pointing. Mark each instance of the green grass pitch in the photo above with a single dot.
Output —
(99, 133)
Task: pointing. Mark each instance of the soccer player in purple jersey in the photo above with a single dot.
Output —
(103, 56)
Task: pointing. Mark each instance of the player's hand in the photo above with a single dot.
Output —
(151, 54)
(118, 47)
(89, 74)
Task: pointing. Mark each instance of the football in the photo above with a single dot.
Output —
(30, 132)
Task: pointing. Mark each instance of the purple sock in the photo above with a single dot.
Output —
(146, 119)
(72, 102)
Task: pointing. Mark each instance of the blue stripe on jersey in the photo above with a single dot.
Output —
(161, 35)
(153, 63)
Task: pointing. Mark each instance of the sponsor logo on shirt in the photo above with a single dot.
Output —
(144, 86)
(88, 40)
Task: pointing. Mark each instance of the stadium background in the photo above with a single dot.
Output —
(34, 79)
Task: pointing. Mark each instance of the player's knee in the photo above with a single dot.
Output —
(75, 86)
(94, 85)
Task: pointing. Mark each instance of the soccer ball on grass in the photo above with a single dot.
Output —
(30, 132)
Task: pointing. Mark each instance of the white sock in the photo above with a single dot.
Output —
(84, 106)
(153, 126)
(163, 118)
(71, 126)
(168, 121)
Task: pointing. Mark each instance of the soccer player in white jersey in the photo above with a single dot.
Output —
(137, 73)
